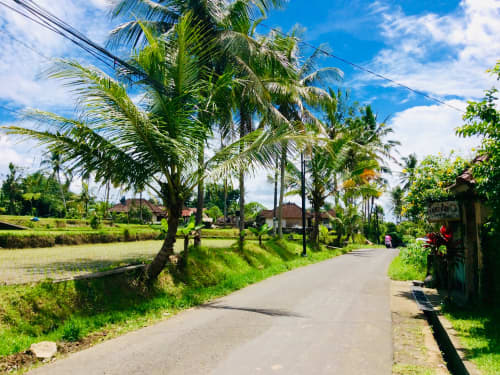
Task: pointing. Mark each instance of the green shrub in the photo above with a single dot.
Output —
(72, 331)
(95, 222)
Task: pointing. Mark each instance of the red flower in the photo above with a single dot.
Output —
(446, 233)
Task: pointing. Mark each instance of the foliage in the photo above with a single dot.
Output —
(432, 178)
(397, 195)
(410, 264)
(261, 231)
(252, 209)
(95, 221)
(214, 196)
(214, 212)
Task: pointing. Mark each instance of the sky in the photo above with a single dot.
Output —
(440, 47)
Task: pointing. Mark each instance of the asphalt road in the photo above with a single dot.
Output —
(328, 318)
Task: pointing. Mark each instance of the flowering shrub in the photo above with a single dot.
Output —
(432, 176)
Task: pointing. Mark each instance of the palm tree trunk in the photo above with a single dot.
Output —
(225, 201)
(245, 126)
(140, 207)
(160, 260)
(282, 191)
(317, 218)
(106, 207)
(201, 196)
(61, 191)
(275, 205)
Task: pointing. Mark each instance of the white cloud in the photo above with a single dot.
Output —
(443, 55)
(430, 129)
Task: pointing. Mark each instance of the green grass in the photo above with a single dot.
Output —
(479, 331)
(71, 310)
(28, 265)
(399, 270)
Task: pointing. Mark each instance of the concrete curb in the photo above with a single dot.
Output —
(446, 337)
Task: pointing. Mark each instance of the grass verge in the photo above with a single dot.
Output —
(402, 271)
(479, 331)
(72, 310)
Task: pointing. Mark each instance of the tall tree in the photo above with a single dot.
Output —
(149, 145)
(407, 175)
(397, 200)
(54, 162)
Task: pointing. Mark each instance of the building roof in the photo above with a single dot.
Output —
(136, 203)
(466, 178)
(290, 211)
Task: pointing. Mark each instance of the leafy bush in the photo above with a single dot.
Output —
(324, 235)
(95, 222)
(72, 331)
(414, 254)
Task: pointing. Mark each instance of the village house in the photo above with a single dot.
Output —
(292, 217)
(158, 212)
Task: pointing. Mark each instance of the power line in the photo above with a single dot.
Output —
(26, 45)
(362, 68)
(44, 18)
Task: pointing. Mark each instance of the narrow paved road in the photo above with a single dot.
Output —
(329, 318)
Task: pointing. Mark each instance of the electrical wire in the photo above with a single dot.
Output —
(364, 69)
(48, 20)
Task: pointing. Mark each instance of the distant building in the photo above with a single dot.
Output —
(292, 216)
(187, 212)
(159, 212)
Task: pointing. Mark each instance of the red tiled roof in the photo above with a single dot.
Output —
(290, 211)
(466, 177)
(136, 203)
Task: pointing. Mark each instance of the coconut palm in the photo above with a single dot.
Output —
(296, 88)
(230, 24)
(55, 164)
(407, 175)
(149, 145)
(397, 196)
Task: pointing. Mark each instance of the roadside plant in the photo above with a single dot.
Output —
(189, 229)
(261, 231)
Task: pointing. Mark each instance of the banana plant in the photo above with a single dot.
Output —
(187, 230)
(260, 232)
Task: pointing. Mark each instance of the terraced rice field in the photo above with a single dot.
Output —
(31, 265)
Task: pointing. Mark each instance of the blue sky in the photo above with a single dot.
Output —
(440, 47)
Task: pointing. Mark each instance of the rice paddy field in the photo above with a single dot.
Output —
(30, 265)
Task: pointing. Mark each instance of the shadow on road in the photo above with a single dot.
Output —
(361, 253)
(264, 311)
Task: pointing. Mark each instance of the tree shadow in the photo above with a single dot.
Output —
(263, 311)
(361, 253)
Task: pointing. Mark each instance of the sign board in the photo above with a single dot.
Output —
(439, 211)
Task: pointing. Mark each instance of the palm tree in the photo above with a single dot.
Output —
(149, 145)
(230, 24)
(397, 196)
(54, 162)
(407, 175)
(296, 88)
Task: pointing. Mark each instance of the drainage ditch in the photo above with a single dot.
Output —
(452, 358)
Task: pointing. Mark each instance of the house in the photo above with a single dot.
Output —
(159, 212)
(292, 216)
(187, 212)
